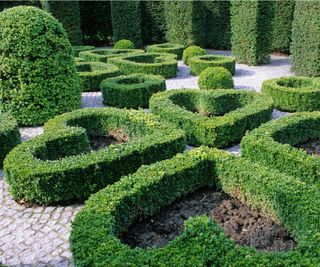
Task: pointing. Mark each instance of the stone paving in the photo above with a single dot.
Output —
(38, 236)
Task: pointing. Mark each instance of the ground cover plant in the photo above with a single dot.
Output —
(215, 78)
(167, 48)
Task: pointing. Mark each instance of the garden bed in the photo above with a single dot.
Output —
(311, 147)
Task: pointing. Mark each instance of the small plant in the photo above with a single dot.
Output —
(124, 44)
(215, 78)
(192, 51)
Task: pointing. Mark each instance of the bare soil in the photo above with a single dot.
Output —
(112, 137)
(311, 147)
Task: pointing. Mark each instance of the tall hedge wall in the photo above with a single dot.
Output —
(127, 21)
(305, 48)
(282, 25)
(251, 27)
(9, 4)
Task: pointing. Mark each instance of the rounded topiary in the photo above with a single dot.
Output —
(192, 51)
(215, 78)
(78, 48)
(38, 76)
(124, 44)
(176, 49)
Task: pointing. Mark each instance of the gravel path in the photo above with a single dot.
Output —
(38, 236)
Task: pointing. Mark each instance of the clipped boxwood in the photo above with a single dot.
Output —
(124, 44)
(163, 64)
(111, 211)
(230, 113)
(200, 63)
(93, 73)
(215, 78)
(294, 93)
(272, 145)
(192, 51)
(167, 48)
(102, 55)
(78, 48)
(9, 135)
(59, 166)
(131, 91)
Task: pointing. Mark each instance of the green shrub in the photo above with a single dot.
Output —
(251, 26)
(162, 64)
(167, 48)
(294, 93)
(131, 91)
(68, 13)
(124, 44)
(305, 52)
(216, 118)
(200, 63)
(80, 48)
(215, 78)
(59, 166)
(12, 3)
(93, 73)
(38, 76)
(111, 211)
(192, 51)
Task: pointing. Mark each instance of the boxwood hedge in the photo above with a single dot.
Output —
(59, 166)
(163, 64)
(192, 51)
(167, 48)
(200, 63)
(78, 48)
(131, 91)
(93, 73)
(230, 113)
(108, 213)
(294, 93)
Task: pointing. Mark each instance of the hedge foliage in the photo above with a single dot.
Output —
(124, 44)
(305, 51)
(38, 76)
(93, 73)
(192, 51)
(294, 93)
(167, 48)
(58, 166)
(79, 48)
(200, 63)
(215, 78)
(163, 64)
(11, 3)
(216, 118)
(110, 212)
(251, 26)
(131, 91)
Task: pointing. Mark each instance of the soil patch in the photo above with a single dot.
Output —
(113, 137)
(311, 147)
(243, 225)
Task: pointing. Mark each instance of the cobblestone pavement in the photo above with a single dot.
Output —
(38, 236)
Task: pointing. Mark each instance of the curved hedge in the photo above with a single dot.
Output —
(200, 63)
(78, 48)
(192, 51)
(93, 73)
(9, 135)
(163, 64)
(110, 212)
(294, 93)
(131, 91)
(102, 55)
(58, 166)
(167, 48)
(272, 145)
(230, 113)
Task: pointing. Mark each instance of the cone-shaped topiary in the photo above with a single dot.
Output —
(192, 51)
(124, 44)
(215, 78)
(38, 76)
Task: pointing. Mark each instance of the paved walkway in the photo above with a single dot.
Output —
(38, 236)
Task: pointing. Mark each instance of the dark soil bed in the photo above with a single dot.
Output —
(113, 137)
(241, 224)
(311, 147)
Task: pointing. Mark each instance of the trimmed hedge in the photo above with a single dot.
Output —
(124, 44)
(163, 64)
(305, 52)
(38, 76)
(167, 48)
(79, 48)
(93, 73)
(102, 55)
(9, 135)
(231, 113)
(131, 91)
(294, 93)
(58, 166)
(251, 26)
(200, 63)
(272, 145)
(192, 51)
(215, 78)
(110, 212)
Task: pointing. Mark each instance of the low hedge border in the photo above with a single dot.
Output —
(9, 135)
(131, 91)
(272, 145)
(108, 213)
(36, 172)
(234, 113)
(200, 63)
(79, 48)
(102, 55)
(163, 64)
(93, 73)
(176, 49)
(294, 93)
